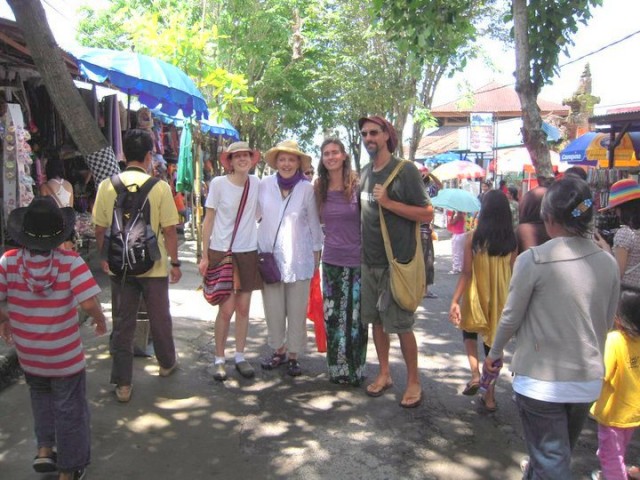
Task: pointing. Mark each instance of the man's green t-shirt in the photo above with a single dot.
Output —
(407, 187)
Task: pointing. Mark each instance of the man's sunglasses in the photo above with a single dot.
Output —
(370, 133)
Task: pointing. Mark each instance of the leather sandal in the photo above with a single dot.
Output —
(471, 389)
(293, 368)
(414, 401)
(274, 361)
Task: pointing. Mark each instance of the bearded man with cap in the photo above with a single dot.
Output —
(42, 284)
(404, 203)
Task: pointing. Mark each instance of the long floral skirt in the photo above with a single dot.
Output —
(346, 335)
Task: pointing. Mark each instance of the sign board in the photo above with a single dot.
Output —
(481, 132)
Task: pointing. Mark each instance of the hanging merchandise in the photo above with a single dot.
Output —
(184, 182)
(16, 165)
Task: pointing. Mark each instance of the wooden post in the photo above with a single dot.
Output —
(195, 201)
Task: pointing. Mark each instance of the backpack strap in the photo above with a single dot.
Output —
(143, 190)
(116, 181)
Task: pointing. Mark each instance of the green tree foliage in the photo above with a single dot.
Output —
(438, 37)
(174, 31)
(309, 66)
(550, 29)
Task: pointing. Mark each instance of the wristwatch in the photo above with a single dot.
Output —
(177, 263)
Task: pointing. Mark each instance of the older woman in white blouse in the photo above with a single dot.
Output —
(290, 228)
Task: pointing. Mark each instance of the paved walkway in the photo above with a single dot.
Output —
(277, 427)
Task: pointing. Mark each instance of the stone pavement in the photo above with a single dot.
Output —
(277, 427)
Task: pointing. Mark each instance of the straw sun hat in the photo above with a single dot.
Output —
(288, 146)
(621, 192)
(225, 157)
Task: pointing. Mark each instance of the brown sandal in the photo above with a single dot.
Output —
(377, 390)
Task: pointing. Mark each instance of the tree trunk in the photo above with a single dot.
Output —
(534, 137)
(82, 127)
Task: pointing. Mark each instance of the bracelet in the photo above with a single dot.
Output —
(177, 263)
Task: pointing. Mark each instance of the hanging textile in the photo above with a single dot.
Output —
(184, 181)
(116, 131)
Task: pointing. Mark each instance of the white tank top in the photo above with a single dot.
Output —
(61, 195)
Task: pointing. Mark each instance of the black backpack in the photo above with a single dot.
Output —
(131, 246)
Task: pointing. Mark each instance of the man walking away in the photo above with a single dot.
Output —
(152, 285)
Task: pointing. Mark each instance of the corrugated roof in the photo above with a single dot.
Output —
(495, 98)
(16, 56)
(441, 140)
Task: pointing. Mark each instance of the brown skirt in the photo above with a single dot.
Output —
(246, 277)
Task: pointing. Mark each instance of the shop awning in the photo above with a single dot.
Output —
(223, 128)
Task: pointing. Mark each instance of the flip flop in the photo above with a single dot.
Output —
(471, 389)
(414, 403)
(377, 390)
(486, 407)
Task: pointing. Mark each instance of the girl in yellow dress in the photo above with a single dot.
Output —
(489, 254)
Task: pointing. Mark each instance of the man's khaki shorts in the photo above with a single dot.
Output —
(377, 304)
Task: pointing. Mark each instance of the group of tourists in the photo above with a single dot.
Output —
(548, 282)
(307, 224)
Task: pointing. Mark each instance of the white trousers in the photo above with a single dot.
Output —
(457, 251)
(285, 309)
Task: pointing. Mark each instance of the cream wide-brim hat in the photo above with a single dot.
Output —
(288, 146)
(225, 157)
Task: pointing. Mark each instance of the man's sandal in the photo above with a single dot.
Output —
(377, 390)
(413, 401)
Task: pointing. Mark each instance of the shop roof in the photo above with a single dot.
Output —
(495, 98)
(15, 56)
(617, 121)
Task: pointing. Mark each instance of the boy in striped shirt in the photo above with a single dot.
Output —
(42, 285)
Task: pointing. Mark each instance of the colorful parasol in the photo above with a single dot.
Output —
(592, 149)
(456, 199)
(458, 169)
(155, 82)
(517, 159)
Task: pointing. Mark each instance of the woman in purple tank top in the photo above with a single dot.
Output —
(337, 195)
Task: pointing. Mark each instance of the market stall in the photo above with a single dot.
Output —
(612, 153)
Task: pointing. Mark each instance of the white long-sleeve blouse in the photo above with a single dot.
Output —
(300, 233)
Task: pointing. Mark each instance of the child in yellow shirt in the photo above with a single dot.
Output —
(617, 411)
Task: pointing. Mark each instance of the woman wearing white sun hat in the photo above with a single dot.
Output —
(290, 228)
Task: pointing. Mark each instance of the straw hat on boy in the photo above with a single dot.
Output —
(288, 146)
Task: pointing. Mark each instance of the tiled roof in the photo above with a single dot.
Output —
(495, 98)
